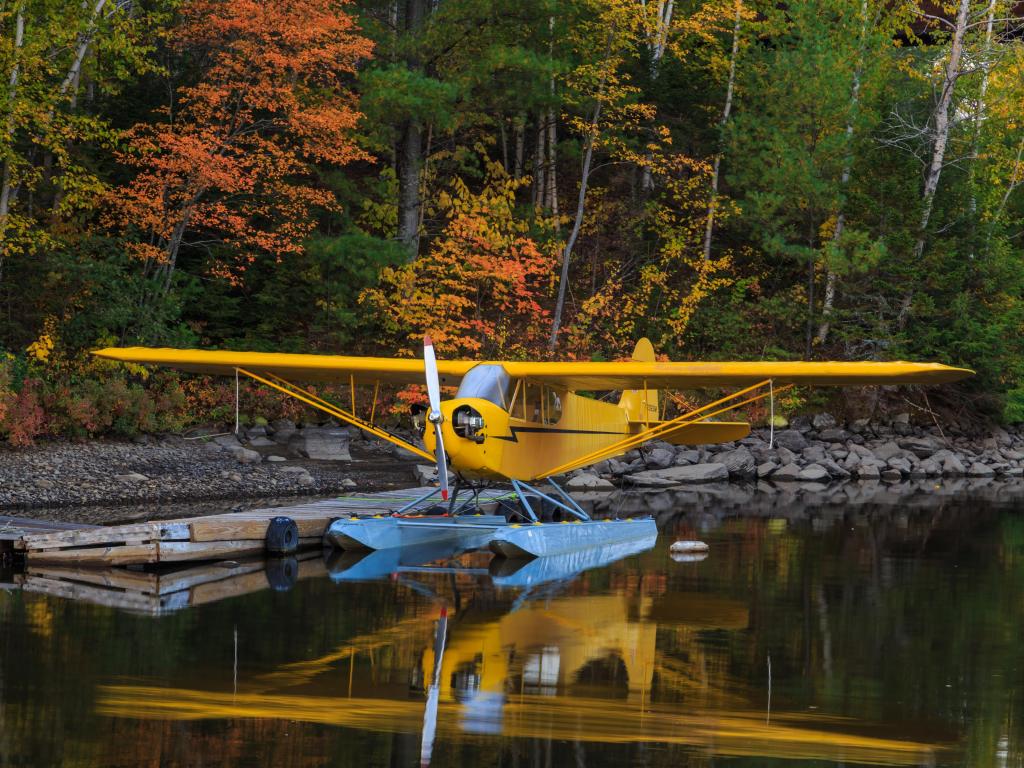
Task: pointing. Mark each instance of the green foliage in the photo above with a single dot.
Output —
(820, 184)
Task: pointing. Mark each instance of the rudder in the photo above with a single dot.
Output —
(641, 405)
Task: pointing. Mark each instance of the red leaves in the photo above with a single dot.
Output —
(232, 164)
(480, 290)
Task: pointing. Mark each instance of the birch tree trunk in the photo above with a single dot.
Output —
(828, 301)
(942, 118)
(581, 201)
(657, 43)
(709, 224)
(539, 164)
(12, 94)
(552, 181)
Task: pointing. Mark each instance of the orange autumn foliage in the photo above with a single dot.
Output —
(481, 290)
(231, 161)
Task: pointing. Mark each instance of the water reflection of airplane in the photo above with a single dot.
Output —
(439, 557)
(613, 668)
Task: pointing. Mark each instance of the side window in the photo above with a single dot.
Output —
(552, 405)
(530, 409)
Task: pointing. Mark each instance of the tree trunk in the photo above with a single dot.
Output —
(979, 116)
(709, 224)
(552, 182)
(577, 223)
(410, 157)
(409, 152)
(519, 133)
(942, 116)
(828, 301)
(539, 165)
(657, 42)
(503, 138)
(5, 176)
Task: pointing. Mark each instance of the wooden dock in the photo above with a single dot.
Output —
(233, 535)
(156, 594)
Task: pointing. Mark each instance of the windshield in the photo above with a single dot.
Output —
(488, 382)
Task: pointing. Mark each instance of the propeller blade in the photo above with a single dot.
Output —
(434, 415)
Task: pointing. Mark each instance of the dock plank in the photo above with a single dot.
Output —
(212, 537)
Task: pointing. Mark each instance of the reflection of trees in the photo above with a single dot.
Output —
(915, 616)
(868, 613)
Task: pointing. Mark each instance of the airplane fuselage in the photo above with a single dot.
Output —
(509, 445)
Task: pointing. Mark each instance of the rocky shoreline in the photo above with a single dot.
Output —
(817, 450)
(260, 462)
(810, 455)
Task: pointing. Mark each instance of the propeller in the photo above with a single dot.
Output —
(434, 414)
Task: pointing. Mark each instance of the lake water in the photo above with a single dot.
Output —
(825, 635)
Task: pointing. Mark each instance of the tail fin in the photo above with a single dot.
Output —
(641, 404)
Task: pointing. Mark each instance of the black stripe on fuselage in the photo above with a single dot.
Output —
(513, 437)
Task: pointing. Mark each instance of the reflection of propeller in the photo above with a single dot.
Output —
(434, 414)
(434, 692)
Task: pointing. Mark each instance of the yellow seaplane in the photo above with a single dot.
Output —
(522, 421)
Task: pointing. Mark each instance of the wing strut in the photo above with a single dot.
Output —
(653, 433)
(307, 397)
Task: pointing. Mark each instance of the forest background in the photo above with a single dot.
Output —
(835, 179)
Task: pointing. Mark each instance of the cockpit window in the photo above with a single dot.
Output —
(487, 382)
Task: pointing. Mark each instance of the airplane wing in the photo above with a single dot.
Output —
(292, 367)
(672, 375)
(574, 376)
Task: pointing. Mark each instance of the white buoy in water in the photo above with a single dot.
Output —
(688, 547)
(688, 551)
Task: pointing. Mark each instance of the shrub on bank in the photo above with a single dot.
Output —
(45, 397)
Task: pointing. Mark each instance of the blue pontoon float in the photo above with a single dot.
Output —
(518, 532)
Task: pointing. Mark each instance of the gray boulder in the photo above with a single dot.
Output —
(900, 465)
(860, 426)
(659, 458)
(697, 473)
(685, 456)
(922, 447)
(245, 456)
(787, 473)
(891, 475)
(322, 443)
(649, 479)
(425, 474)
(953, 467)
(834, 435)
(766, 469)
(980, 470)
(791, 439)
(786, 456)
(813, 453)
(860, 450)
(833, 469)
(586, 481)
(814, 473)
(823, 421)
(227, 441)
(262, 442)
(283, 429)
(739, 463)
(865, 471)
(886, 451)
